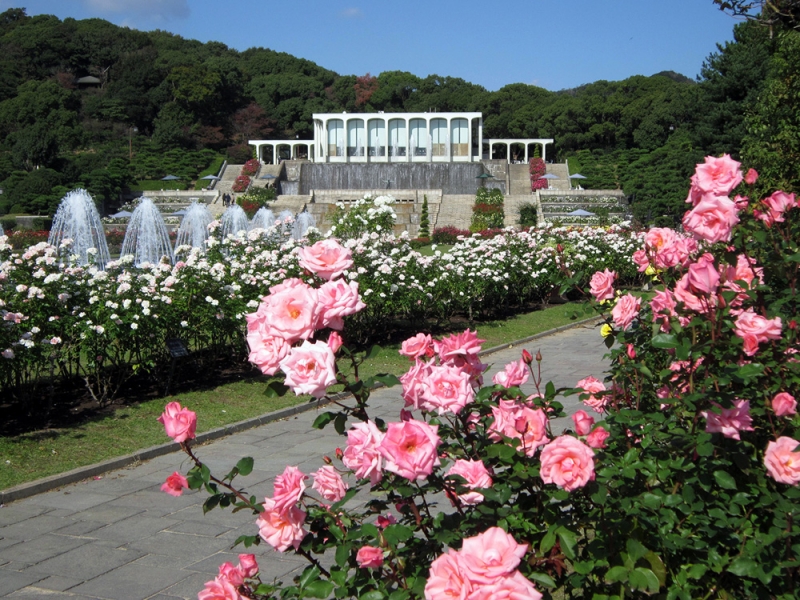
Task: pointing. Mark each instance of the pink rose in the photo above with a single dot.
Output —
(626, 310)
(418, 346)
(219, 588)
(369, 557)
(310, 368)
(329, 484)
(567, 462)
(751, 177)
(410, 449)
(445, 389)
(754, 329)
(475, 475)
(448, 578)
(362, 454)
(777, 204)
(718, 176)
(583, 422)
(782, 462)
(658, 238)
(703, 277)
(175, 484)
(232, 574)
(491, 555)
(784, 405)
(712, 219)
(602, 285)
(266, 352)
(517, 421)
(327, 258)
(462, 345)
(281, 529)
(730, 421)
(335, 342)
(511, 587)
(179, 423)
(291, 312)
(663, 306)
(515, 373)
(640, 258)
(598, 437)
(289, 487)
(413, 382)
(593, 387)
(338, 299)
(248, 565)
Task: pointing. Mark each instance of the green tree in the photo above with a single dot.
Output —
(424, 220)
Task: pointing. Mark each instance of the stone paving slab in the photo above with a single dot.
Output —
(121, 537)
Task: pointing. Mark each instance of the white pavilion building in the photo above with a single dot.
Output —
(446, 137)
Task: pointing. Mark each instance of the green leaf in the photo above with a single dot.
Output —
(542, 578)
(395, 534)
(275, 389)
(339, 423)
(342, 554)
(548, 541)
(322, 420)
(399, 595)
(744, 567)
(194, 478)
(568, 540)
(388, 380)
(705, 449)
(245, 466)
(657, 566)
(205, 474)
(373, 352)
(725, 480)
(584, 568)
(644, 579)
(310, 574)
(618, 573)
(749, 371)
(211, 503)
(635, 549)
(247, 540)
(318, 589)
(373, 595)
(665, 341)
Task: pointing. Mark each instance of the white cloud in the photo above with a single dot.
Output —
(151, 9)
(351, 13)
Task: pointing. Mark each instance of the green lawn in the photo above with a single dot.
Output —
(38, 454)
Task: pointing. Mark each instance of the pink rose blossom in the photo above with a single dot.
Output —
(232, 574)
(327, 258)
(640, 258)
(515, 373)
(310, 368)
(289, 487)
(219, 588)
(418, 346)
(445, 389)
(291, 312)
(517, 421)
(179, 423)
(730, 421)
(751, 177)
(782, 461)
(413, 382)
(248, 565)
(266, 352)
(369, 557)
(703, 277)
(663, 307)
(335, 342)
(583, 422)
(281, 529)
(712, 219)
(602, 285)
(593, 387)
(175, 484)
(491, 555)
(626, 310)
(567, 462)
(511, 587)
(329, 484)
(754, 329)
(410, 449)
(777, 204)
(784, 404)
(448, 578)
(718, 176)
(475, 475)
(597, 438)
(362, 454)
(462, 345)
(337, 299)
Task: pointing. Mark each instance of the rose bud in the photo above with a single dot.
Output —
(327, 460)
(339, 453)
(526, 357)
(538, 356)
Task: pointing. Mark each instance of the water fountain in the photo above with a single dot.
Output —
(301, 224)
(234, 220)
(263, 219)
(77, 219)
(193, 230)
(2, 231)
(146, 237)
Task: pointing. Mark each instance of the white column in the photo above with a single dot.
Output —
(480, 140)
(508, 152)
(429, 139)
(469, 140)
(408, 140)
(526, 152)
(386, 138)
(544, 151)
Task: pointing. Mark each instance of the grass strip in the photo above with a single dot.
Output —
(38, 454)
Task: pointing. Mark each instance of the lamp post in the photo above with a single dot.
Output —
(131, 131)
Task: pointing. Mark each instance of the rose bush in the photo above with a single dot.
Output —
(687, 488)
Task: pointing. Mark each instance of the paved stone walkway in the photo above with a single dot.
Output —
(120, 537)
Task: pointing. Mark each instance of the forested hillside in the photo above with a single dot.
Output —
(164, 104)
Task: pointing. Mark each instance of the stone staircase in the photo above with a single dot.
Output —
(519, 178)
(561, 170)
(224, 186)
(455, 210)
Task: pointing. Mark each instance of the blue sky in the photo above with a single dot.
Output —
(555, 44)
